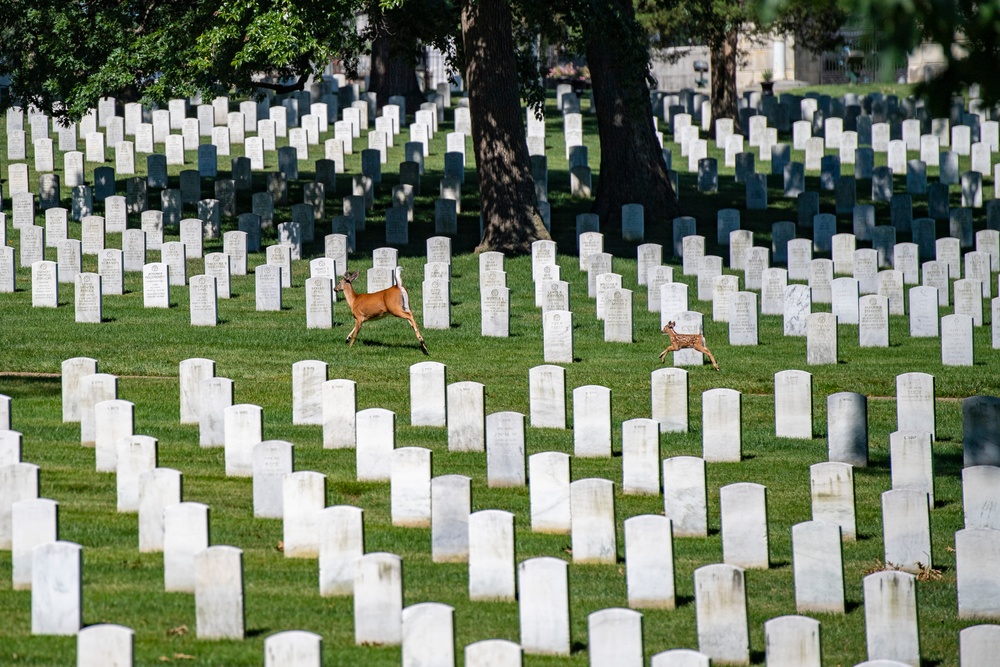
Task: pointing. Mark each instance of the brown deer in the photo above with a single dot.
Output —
(683, 341)
(393, 301)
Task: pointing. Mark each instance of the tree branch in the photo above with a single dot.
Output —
(280, 88)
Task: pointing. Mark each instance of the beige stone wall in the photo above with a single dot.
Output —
(925, 59)
(672, 76)
(800, 64)
(809, 66)
(760, 57)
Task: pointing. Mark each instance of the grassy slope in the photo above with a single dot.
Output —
(256, 350)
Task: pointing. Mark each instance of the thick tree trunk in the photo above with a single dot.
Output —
(511, 221)
(724, 97)
(632, 167)
(392, 68)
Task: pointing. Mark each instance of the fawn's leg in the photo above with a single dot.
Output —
(673, 348)
(704, 350)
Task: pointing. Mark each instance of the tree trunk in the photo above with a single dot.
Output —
(724, 97)
(392, 67)
(632, 167)
(510, 217)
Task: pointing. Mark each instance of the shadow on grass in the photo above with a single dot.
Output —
(949, 463)
(23, 386)
(877, 465)
(354, 489)
(257, 632)
(396, 346)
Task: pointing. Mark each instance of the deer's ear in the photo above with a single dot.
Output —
(351, 277)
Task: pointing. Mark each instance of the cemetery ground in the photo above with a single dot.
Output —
(143, 347)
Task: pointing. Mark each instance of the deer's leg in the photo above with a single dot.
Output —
(704, 350)
(353, 336)
(413, 323)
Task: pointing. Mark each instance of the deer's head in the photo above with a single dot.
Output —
(668, 328)
(346, 280)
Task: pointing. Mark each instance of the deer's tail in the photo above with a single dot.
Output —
(399, 283)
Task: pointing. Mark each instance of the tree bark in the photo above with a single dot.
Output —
(724, 96)
(632, 167)
(392, 66)
(510, 217)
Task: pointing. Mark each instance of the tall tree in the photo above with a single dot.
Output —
(728, 26)
(617, 51)
(632, 166)
(511, 221)
(716, 24)
(398, 33)
(393, 63)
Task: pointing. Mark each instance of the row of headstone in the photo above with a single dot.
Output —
(925, 503)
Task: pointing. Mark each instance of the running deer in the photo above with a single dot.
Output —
(393, 301)
(682, 341)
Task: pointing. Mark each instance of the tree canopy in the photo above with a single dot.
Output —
(64, 56)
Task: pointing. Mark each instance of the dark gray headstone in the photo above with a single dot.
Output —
(781, 154)
(916, 177)
(937, 201)
(847, 428)
(795, 179)
(948, 168)
(901, 212)
(981, 431)
(708, 174)
(960, 226)
(829, 172)
(846, 195)
(808, 208)
(881, 184)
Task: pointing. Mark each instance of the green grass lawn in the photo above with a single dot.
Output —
(143, 347)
